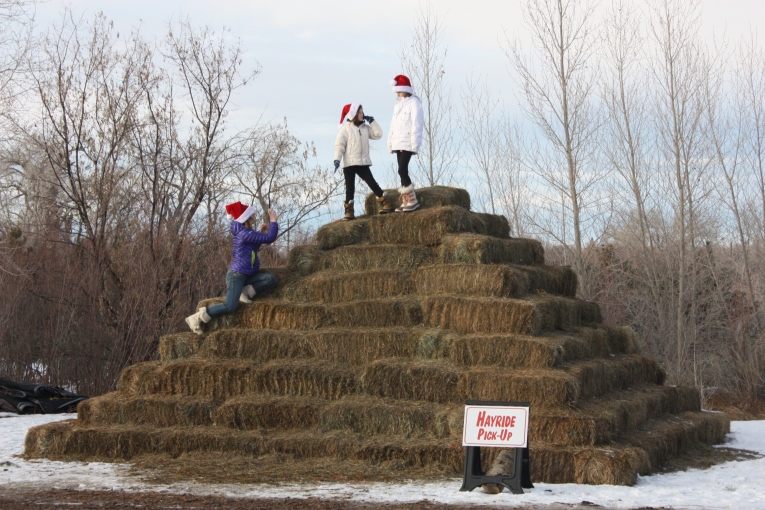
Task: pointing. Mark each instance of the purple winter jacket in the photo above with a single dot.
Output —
(246, 245)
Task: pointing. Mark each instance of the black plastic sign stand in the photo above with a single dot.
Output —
(475, 476)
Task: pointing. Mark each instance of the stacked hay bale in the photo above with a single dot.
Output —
(367, 349)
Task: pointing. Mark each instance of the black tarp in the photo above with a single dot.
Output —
(24, 398)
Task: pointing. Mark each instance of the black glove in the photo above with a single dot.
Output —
(337, 165)
(369, 119)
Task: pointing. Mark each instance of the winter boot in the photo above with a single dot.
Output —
(412, 203)
(348, 211)
(403, 194)
(196, 320)
(385, 206)
(248, 294)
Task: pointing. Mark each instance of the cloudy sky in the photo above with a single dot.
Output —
(317, 55)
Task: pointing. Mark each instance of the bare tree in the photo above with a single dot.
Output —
(557, 81)
(16, 19)
(678, 65)
(423, 60)
(482, 137)
(209, 73)
(280, 172)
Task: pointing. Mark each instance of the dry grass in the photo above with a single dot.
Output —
(737, 407)
(343, 286)
(472, 248)
(495, 280)
(435, 196)
(427, 227)
(528, 316)
(120, 408)
(310, 258)
(279, 468)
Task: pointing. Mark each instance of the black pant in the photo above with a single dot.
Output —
(365, 173)
(403, 158)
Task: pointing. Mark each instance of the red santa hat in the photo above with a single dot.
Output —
(349, 112)
(240, 212)
(401, 84)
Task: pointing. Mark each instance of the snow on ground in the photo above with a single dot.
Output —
(739, 485)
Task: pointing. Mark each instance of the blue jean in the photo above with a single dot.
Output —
(235, 282)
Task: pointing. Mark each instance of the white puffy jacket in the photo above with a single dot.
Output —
(406, 127)
(352, 143)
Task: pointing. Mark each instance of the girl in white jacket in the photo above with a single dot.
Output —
(352, 146)
(405, 137)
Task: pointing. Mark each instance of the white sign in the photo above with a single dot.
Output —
(497, 426)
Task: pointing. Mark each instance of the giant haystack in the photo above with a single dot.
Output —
(368, 348)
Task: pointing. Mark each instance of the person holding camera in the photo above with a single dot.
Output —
(243, 280)
(352, 146)
(405, 137)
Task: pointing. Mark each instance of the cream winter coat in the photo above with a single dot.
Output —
(352, 143)
(406, 127)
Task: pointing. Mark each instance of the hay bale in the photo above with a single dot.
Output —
(495, 280)
(342, 233)
(406, 312)
(517, 351)
(273, 314)
(543, 388)
(611, 465)
(602, 420)
(178, 346)
(343, 286)
(431, 380)
(623, 340)
(435, 196)
(304, 259)
(675, 434)
(420, 228)
(528, 316)
(379, 256)
(65, 441)
(354, 346)
(487, 315)
(481, 249)
(375, 416)
(119, 408)
(223, 380)
(428, 227)
(599, 376)
(308, 259)
(254, 412)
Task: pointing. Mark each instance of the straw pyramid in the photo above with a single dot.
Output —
(368, 347)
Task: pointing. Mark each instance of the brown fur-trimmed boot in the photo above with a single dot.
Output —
(385, 205)
(348, 211)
